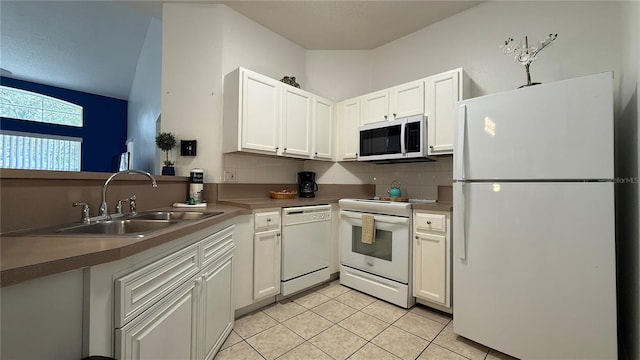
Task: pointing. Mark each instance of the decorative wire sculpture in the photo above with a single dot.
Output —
(524, 54)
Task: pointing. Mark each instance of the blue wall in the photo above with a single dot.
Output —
(105, 123)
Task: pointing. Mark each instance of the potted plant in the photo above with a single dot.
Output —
(165, 142)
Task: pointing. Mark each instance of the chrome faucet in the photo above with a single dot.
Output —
(104, 210)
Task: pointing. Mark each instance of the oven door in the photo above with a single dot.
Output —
(388, 256)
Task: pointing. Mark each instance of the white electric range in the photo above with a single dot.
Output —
(383, 268)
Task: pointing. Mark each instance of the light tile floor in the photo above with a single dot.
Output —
(336, 322)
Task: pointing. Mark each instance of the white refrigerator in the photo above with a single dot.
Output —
(534, 272)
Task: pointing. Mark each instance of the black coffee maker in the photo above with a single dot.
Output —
(307, 184)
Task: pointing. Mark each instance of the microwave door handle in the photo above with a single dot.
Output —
(403, 140)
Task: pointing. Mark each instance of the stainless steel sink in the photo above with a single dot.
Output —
(132, 226)
(118, 227)
(175, 215)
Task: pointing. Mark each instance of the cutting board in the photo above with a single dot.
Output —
(399, 199)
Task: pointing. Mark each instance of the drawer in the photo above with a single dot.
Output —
(215, 245)
(139, 290)
(430, 222)
(268, 220)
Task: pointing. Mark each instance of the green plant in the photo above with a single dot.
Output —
(165, 142)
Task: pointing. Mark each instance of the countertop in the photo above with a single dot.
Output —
(28, 257)
(265, 203)
(445, 206)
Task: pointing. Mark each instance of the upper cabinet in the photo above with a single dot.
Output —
(263, 115)
(349, 115)
(323, 119)
(399, 101)
(251, 112)
(296, 122)
(442, 92)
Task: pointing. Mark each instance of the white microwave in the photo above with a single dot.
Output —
(400, 140)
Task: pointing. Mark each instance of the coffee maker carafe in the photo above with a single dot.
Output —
(307, 184)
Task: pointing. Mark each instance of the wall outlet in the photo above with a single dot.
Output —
(230, 175)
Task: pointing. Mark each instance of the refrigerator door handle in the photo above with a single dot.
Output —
(462, 130)
(460, 214)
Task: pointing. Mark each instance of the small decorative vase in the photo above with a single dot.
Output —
(168, 170)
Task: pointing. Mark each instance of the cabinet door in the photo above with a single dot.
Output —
(350, 119)
(260, 113)
(266, 264)
(323, 123)
(430, 264)
(217, 306)
(165, 331)
(443, 91)
(375, 107)
(296, 122)
(407, 100)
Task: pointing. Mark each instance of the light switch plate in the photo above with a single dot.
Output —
(230, 175)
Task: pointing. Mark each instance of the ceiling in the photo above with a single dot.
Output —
(93, 46)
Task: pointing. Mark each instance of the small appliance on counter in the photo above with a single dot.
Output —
(196, 185)
(307, 186)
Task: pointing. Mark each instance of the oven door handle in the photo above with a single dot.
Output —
(377, 218)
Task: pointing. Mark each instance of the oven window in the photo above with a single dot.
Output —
(380, 249)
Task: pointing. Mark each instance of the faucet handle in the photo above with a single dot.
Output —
(119, 206)
(132, 204)
(85, 211)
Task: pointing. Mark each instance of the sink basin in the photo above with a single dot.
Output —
(175, 215)
(136, 226)
(117, 227)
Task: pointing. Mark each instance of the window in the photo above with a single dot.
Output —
(21, 150)
(26, 105)
(39, 152)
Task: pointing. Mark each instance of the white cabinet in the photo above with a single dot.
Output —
(323, 119)
(442, 92)
(406, 100)
(252, 105)
(172, 318)
(296, 122)
(349, 111)
(263, 115)
(375, 107)
(216, 307)
(267, 251)
(396, 102)
(432, 259)
(186, 297)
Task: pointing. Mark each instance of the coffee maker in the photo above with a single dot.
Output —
(307, 184)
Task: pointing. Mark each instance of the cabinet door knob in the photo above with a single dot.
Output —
(285, 149)
(431, 147)
(316, 153)
(394, 115)
(385, 117)
(269, 220)
(277, 148)
(428, 222)
(417, 237)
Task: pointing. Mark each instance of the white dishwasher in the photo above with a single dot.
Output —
(306, 244)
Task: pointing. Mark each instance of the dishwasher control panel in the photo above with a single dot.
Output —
(302, 214)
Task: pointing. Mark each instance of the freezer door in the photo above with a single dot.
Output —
(560, 130)
(538, 276)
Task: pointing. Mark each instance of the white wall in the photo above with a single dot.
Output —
(192, 82)
(144, 100)
(201, 44)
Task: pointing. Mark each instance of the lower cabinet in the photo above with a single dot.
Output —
(267, 254)
(432, 259)
(161, 315)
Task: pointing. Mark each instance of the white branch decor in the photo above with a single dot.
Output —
(524, 54)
